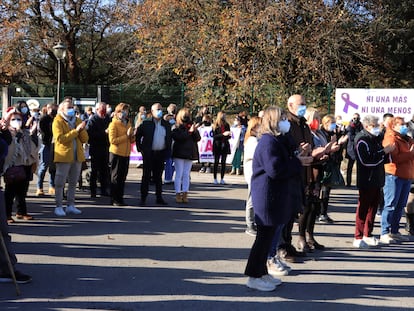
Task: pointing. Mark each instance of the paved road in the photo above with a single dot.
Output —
(192, 257)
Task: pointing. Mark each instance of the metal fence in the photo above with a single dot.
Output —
(253, 100)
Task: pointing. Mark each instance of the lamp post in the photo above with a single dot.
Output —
(60, 53)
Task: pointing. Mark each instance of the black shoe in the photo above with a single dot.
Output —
(160, 201)
(291, 250)
(315, 245)
(21, 278)
(283, 254)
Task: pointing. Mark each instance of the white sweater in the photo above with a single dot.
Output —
(249, 148)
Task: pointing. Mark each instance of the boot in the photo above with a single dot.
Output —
(409, 226)
(178, 198)
(312, 244)
(302, 246)
(185, 197)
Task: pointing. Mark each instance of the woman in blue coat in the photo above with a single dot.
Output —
(275, 187)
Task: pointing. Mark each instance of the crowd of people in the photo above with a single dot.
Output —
(291, 159)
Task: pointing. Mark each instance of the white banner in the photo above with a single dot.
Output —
(205, 145)
(399, 102)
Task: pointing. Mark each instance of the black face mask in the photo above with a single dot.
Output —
(186, 119)
(356, 120)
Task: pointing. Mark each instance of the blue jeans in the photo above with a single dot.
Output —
(169, 169)
(396, 192)
(44, 160)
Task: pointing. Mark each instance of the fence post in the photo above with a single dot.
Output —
(182, 95)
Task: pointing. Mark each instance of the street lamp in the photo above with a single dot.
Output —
(60, 53)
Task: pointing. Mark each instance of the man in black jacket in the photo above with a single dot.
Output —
(99, 149)
(153, 140)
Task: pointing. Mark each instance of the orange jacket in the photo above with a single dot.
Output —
(401, 160)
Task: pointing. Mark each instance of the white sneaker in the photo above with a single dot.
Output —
(272, 279)
(360, 243)
(371, 241)
(216, 182)
(282, 263)
(59, 211)
(387, 239)
(399, 237)
(222, 182)
(260, 284)
(275, 269)
(71, 209)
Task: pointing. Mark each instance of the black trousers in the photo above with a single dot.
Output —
(119, 172)
(257, 263)
(99, 166)
(216, 163)
(18, 192)
(349, 167)
(153, 165)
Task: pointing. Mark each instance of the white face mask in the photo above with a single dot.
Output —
(16, 124)
(284, 126)
(375, 131)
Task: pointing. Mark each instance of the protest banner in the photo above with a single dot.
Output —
(399, 102)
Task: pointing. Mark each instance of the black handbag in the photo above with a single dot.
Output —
(332, 176)
(15, 174)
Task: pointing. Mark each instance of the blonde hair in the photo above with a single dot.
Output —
(328, 118)
(219, 122)
(121, 106)
(251, 127)
(180, 114)
(271, 117)
(311, 114)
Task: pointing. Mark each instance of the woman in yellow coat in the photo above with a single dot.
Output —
(121, 135)
(69, 135)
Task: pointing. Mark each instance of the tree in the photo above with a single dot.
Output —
(93, 31)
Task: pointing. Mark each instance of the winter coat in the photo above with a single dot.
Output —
(185, 143)
(370, 157)
(64, 137)
(276, 186)
(400, 160)
(120, 142)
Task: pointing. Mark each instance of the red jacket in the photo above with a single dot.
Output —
(401, 160)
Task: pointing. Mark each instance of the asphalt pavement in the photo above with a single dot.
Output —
(192, 257)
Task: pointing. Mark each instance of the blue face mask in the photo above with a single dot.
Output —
(71, 112)
(172, 121)
(124, 114)
(159, 113)
(24, 110)
(332, 127)
(301, 111)
(403, 130)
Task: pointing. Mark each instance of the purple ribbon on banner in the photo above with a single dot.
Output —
(347, 101)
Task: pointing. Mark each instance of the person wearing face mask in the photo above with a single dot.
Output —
(153, 140)
(237, 158)
(21, 152)
(370, 157)
(274, 188)
(121, 136)
(185, 136)
(221, 145)
(302, 136)
(140, 117)
(45, 152)
(399, 172)
(23, 108)
(354, 127)
(97, 128)
(330, 133)
(69, 135)
(169, 162)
